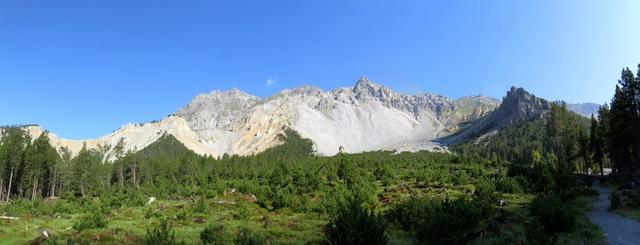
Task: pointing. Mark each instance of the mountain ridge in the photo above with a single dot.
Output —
(517, 106)
(368, 116)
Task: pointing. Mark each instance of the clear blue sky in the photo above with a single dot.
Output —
(83, 68)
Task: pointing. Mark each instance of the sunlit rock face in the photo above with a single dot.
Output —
(365, 117)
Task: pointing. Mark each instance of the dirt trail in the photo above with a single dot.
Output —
(617, 229)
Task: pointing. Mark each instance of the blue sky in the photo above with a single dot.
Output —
(83, 68)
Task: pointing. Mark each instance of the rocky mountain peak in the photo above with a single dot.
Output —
(307, 90)
(235, 122)
(365, 88)
(517, 106)
(362, 82)
(520, 104)
(517, 93)
(233, 93)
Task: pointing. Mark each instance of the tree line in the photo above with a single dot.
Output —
(615, 134)
(33, 168)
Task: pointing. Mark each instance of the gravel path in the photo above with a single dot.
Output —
(617, 229)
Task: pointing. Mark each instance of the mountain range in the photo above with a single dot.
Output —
(365, 117)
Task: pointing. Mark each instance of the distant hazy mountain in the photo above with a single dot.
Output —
(585, 109)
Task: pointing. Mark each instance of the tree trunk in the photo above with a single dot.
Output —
(34, 189)
(52, 192)
(601, 167)
(82, 188)
(9, 188)
(1, 188)
(121, 176)
(135, 178)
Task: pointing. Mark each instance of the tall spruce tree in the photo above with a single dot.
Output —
(15, 141)
(624, 149)
(596, 144)
(38, 168)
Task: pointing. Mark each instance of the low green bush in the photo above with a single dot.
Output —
(354, 224)
(444, 221)
(62, 206)
(163, 234)
(213, 234)
(409, 213)
(451, 221)
(242, 212)
(201, 205)
(508, 185)
(552, 217)
(616, 200)
(91, 220)
(248, 237)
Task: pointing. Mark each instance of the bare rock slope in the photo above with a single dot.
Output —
(134, 136)
(365, 117)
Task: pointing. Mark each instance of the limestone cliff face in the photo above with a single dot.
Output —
(365, 117)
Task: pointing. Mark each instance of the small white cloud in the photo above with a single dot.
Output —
(270, 82)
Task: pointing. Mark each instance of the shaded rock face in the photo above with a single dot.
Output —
(519, 105)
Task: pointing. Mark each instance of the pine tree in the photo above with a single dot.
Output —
(119, 165)
(604, 131)
(15, 141)
(596, 144)
(65, 170)
(585, 152)
(37, 168)
(623, 121)
(636, 116)
(84, 171)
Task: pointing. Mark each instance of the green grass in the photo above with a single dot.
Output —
(129, 225)
(632, 213)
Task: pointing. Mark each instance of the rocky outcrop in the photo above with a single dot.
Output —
(518, 106)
